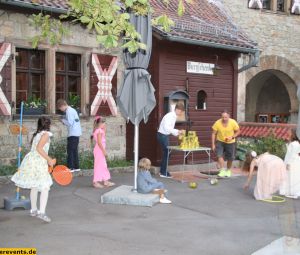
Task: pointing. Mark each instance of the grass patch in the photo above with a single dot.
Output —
(119, 163)
(7, 170)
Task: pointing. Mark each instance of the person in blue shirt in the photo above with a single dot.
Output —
(147, 184)
(72, 121)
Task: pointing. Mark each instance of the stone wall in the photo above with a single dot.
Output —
(115, 136)
(16, 30)
(278, 38)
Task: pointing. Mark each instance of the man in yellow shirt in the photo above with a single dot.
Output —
(225, 130)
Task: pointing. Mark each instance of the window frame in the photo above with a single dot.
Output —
(67, 74)
(31, 71)
(287, 5)
(204, 100)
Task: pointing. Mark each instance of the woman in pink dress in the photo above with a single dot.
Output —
(271, 173)
(101, 172)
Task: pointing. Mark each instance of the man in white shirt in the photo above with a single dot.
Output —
(166, 128)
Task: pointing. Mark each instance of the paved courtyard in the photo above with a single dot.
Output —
(209, 220)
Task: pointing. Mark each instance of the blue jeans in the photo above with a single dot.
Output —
(164, 142)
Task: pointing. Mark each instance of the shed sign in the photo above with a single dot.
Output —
(199, 67)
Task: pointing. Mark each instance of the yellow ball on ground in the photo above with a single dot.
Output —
(193, 185)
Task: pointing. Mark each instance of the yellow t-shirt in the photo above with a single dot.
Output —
(228, 131)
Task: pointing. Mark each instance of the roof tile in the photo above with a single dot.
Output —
(204, 20)
(60, 4)
(258, 130)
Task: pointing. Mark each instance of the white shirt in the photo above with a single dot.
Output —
(167, 124)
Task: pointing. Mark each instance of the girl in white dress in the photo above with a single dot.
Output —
(291, 187)
(33, 172)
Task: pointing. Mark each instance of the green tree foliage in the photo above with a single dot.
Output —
(107, 19)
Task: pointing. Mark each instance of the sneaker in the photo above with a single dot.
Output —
(44, 217)
(222, 173)
(34, 213)
(291, 196)
(228, 173)
(75, 170)
(165, 201)
(168, 175)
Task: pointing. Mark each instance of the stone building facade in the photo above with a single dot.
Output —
(16, 32)
(268, 91)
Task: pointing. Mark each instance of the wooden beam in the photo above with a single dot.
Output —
(50, 80)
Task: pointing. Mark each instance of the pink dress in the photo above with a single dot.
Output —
(101, 172)
(271, 173)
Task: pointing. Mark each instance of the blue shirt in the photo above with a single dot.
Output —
(146, 183)
(72, 121)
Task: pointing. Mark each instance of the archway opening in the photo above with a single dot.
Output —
(271, 98)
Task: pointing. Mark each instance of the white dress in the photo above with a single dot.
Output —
(33, 171)
(291, 187)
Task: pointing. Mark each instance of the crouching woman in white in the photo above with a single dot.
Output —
(291, 187)
(271, 174)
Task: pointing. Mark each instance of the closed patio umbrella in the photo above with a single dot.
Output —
(136, 97)
(298, 125)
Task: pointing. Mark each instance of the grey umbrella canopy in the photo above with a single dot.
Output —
(136, 97)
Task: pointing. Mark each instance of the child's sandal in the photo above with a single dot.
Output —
(97, 185)
(109, 184)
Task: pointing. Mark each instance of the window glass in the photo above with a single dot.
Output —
(267, 4)
(201, 100)
(280, 5)
(68, 78)
(60, 62)
(30, 75)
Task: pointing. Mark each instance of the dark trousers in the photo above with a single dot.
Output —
(72, 151)
(164, 142)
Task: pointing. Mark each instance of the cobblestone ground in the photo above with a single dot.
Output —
(212, 220)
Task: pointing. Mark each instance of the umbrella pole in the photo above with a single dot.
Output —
(136, 155)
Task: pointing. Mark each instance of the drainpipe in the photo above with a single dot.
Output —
(253, 61)
(34, 6)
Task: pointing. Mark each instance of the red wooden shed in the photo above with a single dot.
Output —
(200, 57)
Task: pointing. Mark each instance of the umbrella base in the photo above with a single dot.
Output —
(123, 195)
(13, 203)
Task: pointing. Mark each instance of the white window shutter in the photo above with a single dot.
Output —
(254, 4)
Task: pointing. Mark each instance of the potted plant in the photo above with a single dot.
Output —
(74, 101)
(34, 106)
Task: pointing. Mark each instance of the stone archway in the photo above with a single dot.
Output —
(252, 81)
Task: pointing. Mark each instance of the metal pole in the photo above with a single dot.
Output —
(136, 154)
(20, 147)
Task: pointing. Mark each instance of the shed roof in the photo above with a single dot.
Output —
(205, 22)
